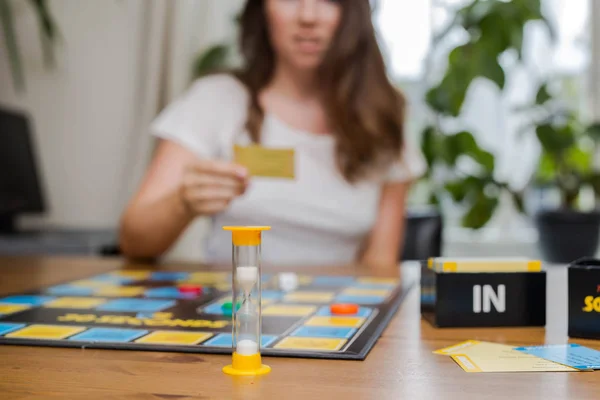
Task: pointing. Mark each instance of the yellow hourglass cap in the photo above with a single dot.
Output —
(246, 235)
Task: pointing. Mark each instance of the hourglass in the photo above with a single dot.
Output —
(246, 301)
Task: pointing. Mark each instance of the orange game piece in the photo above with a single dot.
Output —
(190, 289)
(345, 309)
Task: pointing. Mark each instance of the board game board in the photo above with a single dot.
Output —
(146, 310)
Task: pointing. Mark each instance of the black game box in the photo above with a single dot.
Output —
(584, 299)
(477, 299)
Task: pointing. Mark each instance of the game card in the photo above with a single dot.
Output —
(266, 162)
(476, 356)
(573, 355)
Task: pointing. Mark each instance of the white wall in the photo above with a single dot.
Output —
(83, 112)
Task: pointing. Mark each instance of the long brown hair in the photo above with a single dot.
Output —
(364, 109)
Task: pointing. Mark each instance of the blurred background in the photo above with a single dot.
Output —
(504, 99)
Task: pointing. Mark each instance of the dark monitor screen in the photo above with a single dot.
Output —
(20, 189)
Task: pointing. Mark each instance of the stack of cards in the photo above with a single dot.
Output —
(476, 356)
(484, 265)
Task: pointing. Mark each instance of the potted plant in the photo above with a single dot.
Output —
(491, 29)
(570, 229)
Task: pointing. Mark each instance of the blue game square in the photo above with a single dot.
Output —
(169, 276)
(346, 298)
(109, 335)
(136, 305)
(7, 327)
(113, 279)
(374, 286)
(333, 280)
(29, 300)
(271, 294)
(215, 308)
(224, 340)
(70, 290)
(325, 332)
(169, 293)
(363, 312)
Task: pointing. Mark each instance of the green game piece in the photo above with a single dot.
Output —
(227, 306)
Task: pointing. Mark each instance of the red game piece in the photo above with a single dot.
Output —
(344, 309)
(190, 289)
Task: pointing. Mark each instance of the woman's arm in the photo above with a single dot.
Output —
(176, 189)
(383, 246)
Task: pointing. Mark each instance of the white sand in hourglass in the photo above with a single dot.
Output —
(247, 276)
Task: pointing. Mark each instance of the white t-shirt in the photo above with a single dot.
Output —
(317, 218)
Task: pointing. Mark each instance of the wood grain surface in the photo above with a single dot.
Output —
(400, 366)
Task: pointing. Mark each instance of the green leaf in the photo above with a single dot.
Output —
(48, 30)
(481, 212)
(594, 181)
(555, 140)
(518, 201)
(593, 131)
(457, 189)
(542, 95)
(211, 60)
(466, 144)
(429, 145)
(578, 160)
(492, 70)
(12, 45)
(547, 169)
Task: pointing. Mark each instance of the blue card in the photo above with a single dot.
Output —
(169, 276)
(224, 340)
(169, 293)
(7, 327)
(136, 305)
(572, 355)
(29, 300)
(347, 298)
(70, 290)
(333, 280)
(333, 332)
(109, 335)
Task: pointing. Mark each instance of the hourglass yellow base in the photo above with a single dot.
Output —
(246, 365)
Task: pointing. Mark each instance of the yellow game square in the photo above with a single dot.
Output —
(223, 287)
(46, 332)
(12, 308)
(349, 322)
(379, 281)
(207, 278)
(75, 302)
(174, 337)
(316, 344)
(133, 274)
(310, 297)
(89, 283)
(367, 292)
(305, 279)
(285, 310)
(119, 291)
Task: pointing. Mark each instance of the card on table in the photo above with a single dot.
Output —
(476, 356)
(266, 162)
(572, 355)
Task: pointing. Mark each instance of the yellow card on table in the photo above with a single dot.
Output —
(266, 162)
(476, 356)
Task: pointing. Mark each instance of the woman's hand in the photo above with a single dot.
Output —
(209, 186)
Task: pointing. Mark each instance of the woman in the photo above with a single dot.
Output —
(314, 80)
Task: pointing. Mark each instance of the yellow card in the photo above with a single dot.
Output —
(175, 337)
(289, 310)
(304, 343)
(75, 302)
(12, 308)
(46, 332)
(348, 322)
(475, 356)
(266, 162)
(120, 291)
(310, 297)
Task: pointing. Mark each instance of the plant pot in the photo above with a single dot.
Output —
(566, 235)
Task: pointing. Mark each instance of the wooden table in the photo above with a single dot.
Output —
(400, 366)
